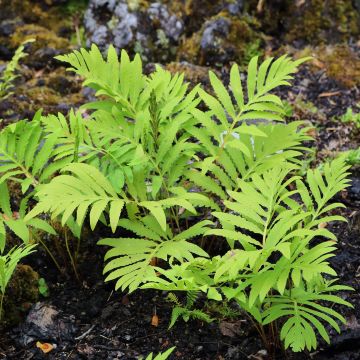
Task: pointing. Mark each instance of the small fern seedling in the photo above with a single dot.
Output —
(160, 356)
(186, 312)
(9, 74)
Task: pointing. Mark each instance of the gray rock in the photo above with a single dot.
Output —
(46, 323)
(235, 7)
(214, 30)
(152, 31)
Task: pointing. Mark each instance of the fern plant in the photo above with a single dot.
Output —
(9, 74)
(131, 156)
(186, 312)
(148, 159)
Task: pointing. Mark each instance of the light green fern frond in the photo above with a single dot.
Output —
(86, 189)
(161, 356)
(235, 148)
(305, 315)
(131, 258)
(28, 154)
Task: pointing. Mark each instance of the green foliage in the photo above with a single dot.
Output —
(276, 268)
(172, 173)
(43, 287)
(8, 263)
(352, 157)
(351, 117)
(186, 312)
(161, 356)
(9, 74)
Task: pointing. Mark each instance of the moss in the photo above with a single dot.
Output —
(189, 49)
(28, 10)
(311, 21)
(242, 41)
(341, 63)
(135, 5)
(21, 293)
(195, 12)
(194, 74)
(44, 38)
(245, 39)
(318, 21)
(63, 82)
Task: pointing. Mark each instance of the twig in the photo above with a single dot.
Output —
(109, 348)
(87, 332)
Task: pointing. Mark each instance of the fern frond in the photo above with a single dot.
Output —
(282, 144)
(131, 258)
(324, 187)
(161, 356)
(304, 316)
(85, 188)
(28, 154)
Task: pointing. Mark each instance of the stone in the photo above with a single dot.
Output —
(46, 323)
(153, 31)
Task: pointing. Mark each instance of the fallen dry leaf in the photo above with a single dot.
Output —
(155, 320)
(312, 132)
(319, 64)
(260, 355)
(44, 347)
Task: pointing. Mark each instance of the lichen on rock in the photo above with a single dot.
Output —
(222, 39)
(151, 29)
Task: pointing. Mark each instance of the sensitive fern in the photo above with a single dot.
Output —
(177, 170)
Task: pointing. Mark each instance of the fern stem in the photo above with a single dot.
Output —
(1, 305)
(70, 255)
(50, 253)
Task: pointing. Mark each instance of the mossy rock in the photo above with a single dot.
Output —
(195, 11)
(221, 40)
(28, 10)
(341, 63)
(55, 92)
(45, 47)
(21, 293)
(308, 21)
(319, 21)
(42, 12)
(44, 38)
(194, 74)
(148, 28)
